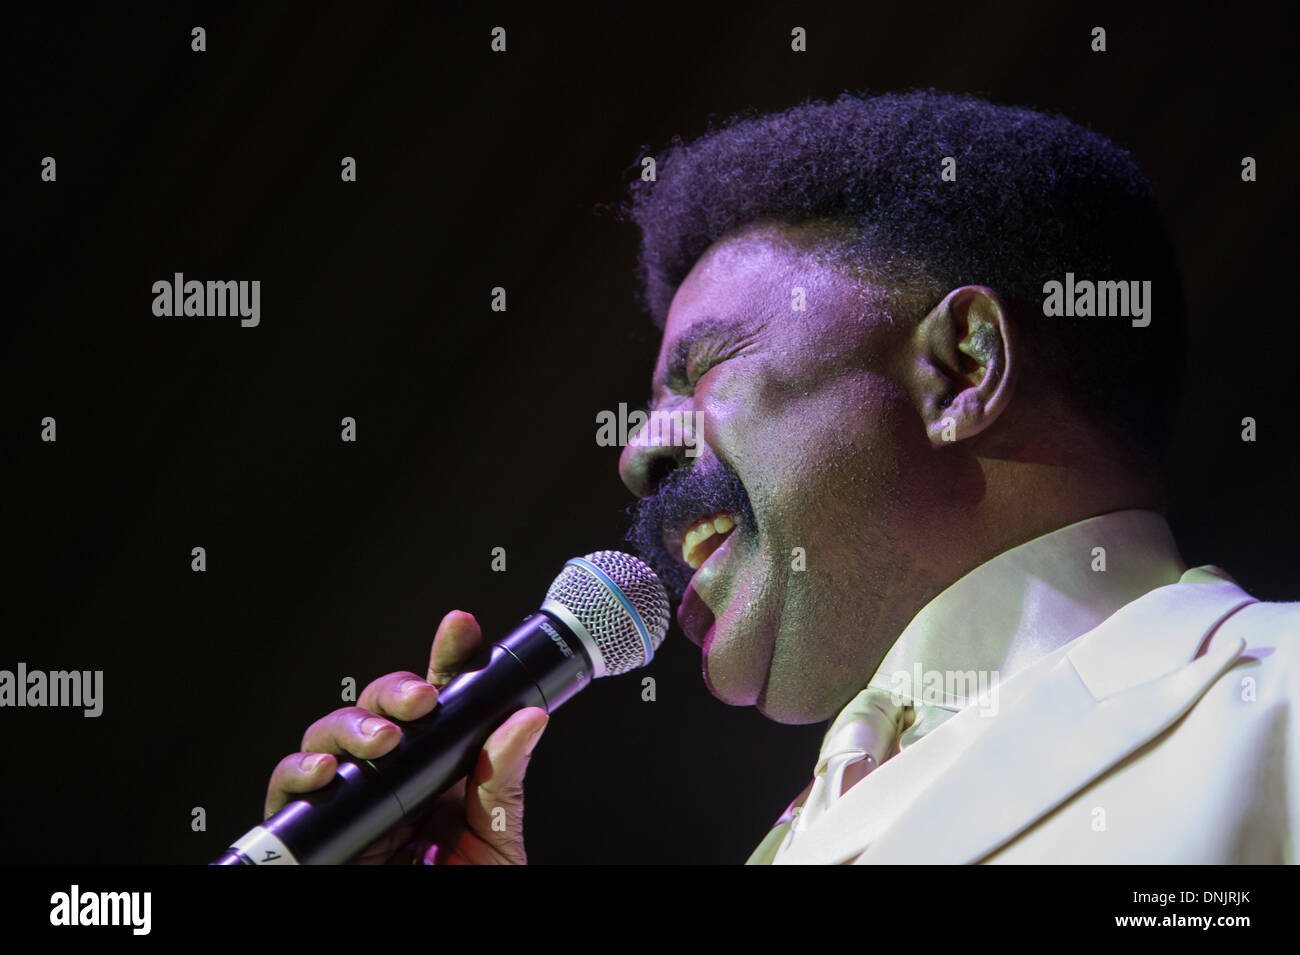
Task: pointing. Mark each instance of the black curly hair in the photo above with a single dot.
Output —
(1036, 195)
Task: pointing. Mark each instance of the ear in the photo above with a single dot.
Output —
(965, 364)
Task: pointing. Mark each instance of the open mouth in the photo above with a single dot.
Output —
(694, 545)
(704, 537)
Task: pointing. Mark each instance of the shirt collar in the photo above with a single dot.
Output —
(1018, 607)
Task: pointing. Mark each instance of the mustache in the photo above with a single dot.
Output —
(685, 494)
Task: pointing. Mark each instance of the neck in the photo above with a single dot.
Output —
(1033, 598)
(1025, 479)
(991, 505)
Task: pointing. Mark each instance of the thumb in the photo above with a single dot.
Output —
(494, 798)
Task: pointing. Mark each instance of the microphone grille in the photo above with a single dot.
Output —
(619, 603)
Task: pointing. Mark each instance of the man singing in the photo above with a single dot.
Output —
(934, 345)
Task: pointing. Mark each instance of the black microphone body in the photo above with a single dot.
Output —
(540, 663)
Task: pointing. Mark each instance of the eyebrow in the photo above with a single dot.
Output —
(680, 350)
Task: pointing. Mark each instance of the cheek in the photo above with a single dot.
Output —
(724, 408)
(802, 444)
(761, 420)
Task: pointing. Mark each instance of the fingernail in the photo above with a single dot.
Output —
(372, 726)
(412, 687)
(309, 763)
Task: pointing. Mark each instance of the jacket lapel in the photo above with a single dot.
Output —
(1058, 726)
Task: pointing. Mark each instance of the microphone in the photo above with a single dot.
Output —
(605, 614)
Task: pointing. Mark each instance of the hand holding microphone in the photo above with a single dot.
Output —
(457, 827)
(431, 770)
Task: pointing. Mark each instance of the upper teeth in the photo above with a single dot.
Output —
(699, 533)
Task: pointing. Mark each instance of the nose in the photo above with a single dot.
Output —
(643, 464)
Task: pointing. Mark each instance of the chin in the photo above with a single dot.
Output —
(792, 712)
(735, 661)
(730, 691)
(752, 685)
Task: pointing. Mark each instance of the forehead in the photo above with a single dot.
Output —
(759, 258)
(753, 275)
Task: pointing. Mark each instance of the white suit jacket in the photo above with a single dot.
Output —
(1169, 733)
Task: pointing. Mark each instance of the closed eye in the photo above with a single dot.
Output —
(703, 346)
(699, 369)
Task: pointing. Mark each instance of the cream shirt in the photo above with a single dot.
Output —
(1004, 615)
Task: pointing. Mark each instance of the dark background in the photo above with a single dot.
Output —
(476, 429)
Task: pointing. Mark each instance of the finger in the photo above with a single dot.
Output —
(494, 799)
(294, 775)
(351, 731)
(455, 644)
(401, 696)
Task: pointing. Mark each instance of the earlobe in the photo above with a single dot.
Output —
(966, 364)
